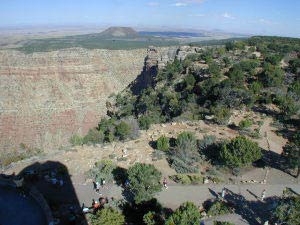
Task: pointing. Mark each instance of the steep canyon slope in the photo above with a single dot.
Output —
(47, 97)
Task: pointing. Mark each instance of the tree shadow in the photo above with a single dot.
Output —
(274, 160)
(52, 183)
(255, 212)
(251, 193)
(134, 213)
(213, 193)
(153, 144)
(120, 175)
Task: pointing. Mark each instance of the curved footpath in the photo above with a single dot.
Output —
(176, 194)
(246, 197)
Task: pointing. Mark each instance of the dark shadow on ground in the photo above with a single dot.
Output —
(274, 160)
(255, 212)
(134, 212)
(254, 195)
(144, 80)
(216, 195)
(53, 181)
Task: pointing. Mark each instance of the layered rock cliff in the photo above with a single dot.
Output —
(47, 97)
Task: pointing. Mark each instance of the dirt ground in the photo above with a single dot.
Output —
(80, 159)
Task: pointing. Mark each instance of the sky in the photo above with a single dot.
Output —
(264, 17)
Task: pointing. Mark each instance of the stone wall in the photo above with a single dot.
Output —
(47, 97)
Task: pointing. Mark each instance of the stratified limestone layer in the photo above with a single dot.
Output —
(47, 97)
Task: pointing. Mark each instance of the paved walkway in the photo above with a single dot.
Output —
(177, 194)
(246, 197)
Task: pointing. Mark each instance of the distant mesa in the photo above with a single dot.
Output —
(119, 32)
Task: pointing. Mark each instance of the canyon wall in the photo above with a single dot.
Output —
(47, 97)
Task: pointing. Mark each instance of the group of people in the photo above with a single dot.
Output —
(96, 205)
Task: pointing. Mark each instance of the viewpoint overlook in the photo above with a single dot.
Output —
(168, 113)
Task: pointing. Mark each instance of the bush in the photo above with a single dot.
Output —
(181, 166)
(134, 127)
(218, 208)
(144, 181)
(207, 141)
(93, 137)
(186, 141)
(76, 140)
(103, 170)
(187, 179)
(186, 214)
(185, 156)
(240, 152)
(162, 143)
(149, 218)
(108, 216)
(8, 157)
(123, 130)
(245, 124)
(145, 122)
(288, 209)
(221, 114)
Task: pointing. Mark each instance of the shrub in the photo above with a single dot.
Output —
(288, 210)
(187, 179)
(189, 80)
(76, 140)
(123, 130)
(8, 157)
(162, 143)
(186, 214)
(185, 156)
(207, 141)
(186, 141)
(103, 170)
(181, 166)
(218, 208)
(149, 218)
(93, 137)
(108, 216)
(134, 127)
(144, 181)
(221, 114)
(245, 124)
(145, 122)
(240, 152)
(214, 69)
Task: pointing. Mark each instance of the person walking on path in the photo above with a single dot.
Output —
(98, 187)
(165, 183)
(263, 195)
(223, 193)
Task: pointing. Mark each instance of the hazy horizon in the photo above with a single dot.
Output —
(243, 17)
